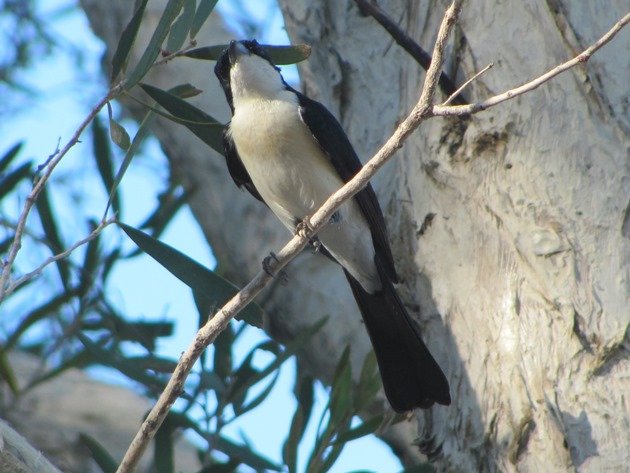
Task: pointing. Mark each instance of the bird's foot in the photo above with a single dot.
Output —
(304, 228)
(267, 264)
(316, 244)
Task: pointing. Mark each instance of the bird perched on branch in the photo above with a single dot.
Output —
(291, 153)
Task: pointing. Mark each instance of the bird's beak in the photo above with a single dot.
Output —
(236, 50)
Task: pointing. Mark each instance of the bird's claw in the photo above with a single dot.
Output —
(316, 244)
(267, 268)
(304, 228)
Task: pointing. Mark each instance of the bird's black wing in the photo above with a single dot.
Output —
(235, 165)
(333, 141)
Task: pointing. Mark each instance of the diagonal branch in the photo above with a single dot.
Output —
(39, 184)
(423, 110)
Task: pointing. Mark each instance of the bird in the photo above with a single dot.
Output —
(291, 153)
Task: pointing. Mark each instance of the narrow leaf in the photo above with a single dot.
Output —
(37, 314)
(203, 12)
(98, 453)
(209, 130)
(49, 224)
(104, 163)
(244, 454)
(118, 134)
(172, 9)
(181, 27)
(135, 144)
(341, 395)
(6, 372)
(10, 180)
(10, 155)
(191, 273)
(163, 448)
(366, 428)
(280, 55)
(127, 38)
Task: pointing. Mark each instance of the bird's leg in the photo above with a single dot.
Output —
(315, 243)
(266, 265)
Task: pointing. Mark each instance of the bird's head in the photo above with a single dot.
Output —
(245, 70)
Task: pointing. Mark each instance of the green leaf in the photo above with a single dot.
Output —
(229, 467)
(135, 144)
(6, 372)
(98, 453)
(114, 359)
(222, 363)
(209, 130)
(369, 383)
(10, 180)
(10, 155)
(163, 448)
(104, 163)
(366, 428)
(47, 217)
(127, 38)
(304, 394)
(341, 395)
(191, 273)
(116, 131)
(184, 91)
(172, 9)
(280, 55)
(181, 27)
(89, 267)
(37, 314)
(169, 203)
(244, 454)
(203, 12)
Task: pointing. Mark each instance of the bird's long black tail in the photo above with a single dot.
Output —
(411, 376)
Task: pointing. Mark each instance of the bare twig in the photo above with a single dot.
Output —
(219, 321)
(583, 57)
(369, 7)
(64, 254)
(38, 185)
(465, 84)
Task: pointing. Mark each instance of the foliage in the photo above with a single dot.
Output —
(88, 329)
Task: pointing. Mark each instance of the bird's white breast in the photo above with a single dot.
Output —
(294, 177)
(283, 159)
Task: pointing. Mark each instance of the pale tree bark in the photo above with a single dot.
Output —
(520, 280)
(523, 275)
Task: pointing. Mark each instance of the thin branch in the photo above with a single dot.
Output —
(465, 84)
(583, 57)
(369, 7)
(38, 185)
(216, 323)
(64, 254)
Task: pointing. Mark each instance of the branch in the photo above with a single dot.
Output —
(216, 323)
(38, 185)
(441, 110)
(64, 254)
(368, 7)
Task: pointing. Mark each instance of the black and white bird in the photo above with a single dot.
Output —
(291, 153)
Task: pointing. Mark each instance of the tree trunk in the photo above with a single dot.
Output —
(521, 269)
(508, 228)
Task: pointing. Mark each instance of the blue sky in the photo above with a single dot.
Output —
(140, 287)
